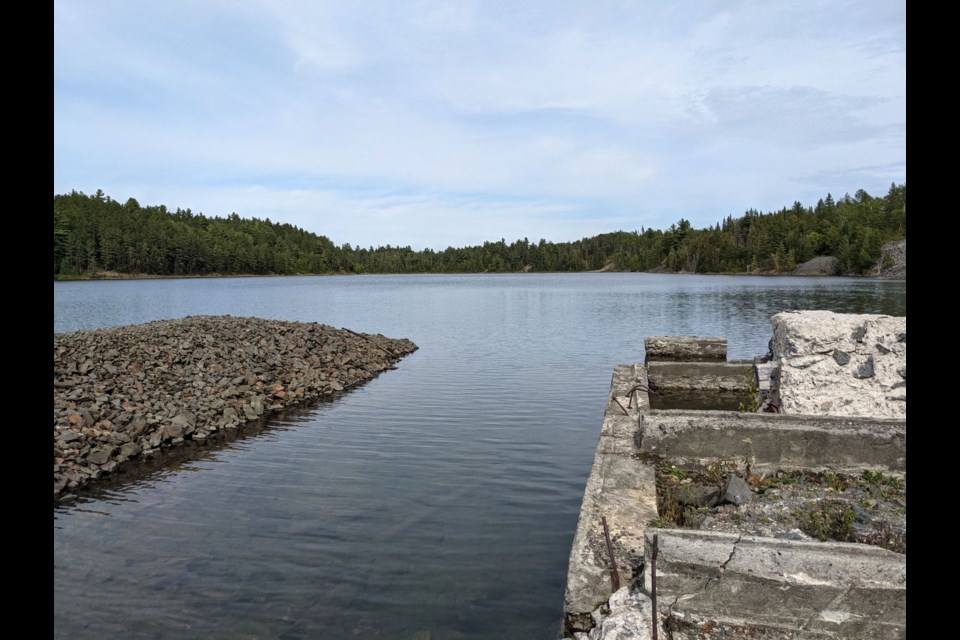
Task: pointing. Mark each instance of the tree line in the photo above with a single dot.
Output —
(93, 233)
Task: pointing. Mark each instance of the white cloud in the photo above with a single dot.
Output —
(488, 117)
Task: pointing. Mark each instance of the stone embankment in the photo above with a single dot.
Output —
(131, 392)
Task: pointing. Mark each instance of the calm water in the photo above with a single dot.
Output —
(438, 501)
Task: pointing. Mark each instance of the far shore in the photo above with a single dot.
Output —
(113, 275)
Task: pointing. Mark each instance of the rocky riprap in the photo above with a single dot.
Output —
(893, 260)
(125, 393)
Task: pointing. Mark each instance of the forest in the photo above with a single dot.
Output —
(93, 234)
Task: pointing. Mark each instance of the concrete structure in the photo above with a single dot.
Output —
(684, 349)
(771, 442)
(840, 364)
(710, 583)
(620, 489)
(799, 589)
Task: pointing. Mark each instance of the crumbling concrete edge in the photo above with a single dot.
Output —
(804, 588)
(772, 442)
(620, 489)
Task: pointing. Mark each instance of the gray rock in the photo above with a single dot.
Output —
(88, 420)
(841, 357)
(865, 370)
(696, 495)
(130, 449)
(170, 431)
(137, 425)
(119, 438)
(100, 455)
(736, 491)
(184, 420)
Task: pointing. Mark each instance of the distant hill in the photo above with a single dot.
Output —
(94, 235)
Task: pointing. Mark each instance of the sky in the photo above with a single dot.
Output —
(454, 122)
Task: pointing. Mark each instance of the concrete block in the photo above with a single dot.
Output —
(809, 589)
(701, 376)
(773, 441)
(841, 364)
(685, 349)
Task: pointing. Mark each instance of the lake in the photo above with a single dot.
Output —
(438, 501)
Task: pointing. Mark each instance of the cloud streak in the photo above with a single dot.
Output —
(437, 124)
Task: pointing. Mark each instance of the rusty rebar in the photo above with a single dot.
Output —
(642, 387)
(614, 574)
(653, 585)
(624, 409)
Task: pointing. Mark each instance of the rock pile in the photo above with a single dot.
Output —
(893, 260)
(129, 392)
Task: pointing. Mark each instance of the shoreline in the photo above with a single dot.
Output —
(130, 393)
(144, 276)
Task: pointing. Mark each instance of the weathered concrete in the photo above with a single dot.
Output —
(773, 442)
(841, 364)
(623, 490)
(701, 376)
(685, 349)
(712, 584)
(808, 589)
(628, 614)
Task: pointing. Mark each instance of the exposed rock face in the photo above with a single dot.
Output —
(819, 266)
(127, 392)
(893, 260)
(841, 364)
(892, 264)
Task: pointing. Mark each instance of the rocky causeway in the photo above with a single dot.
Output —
(128, 393)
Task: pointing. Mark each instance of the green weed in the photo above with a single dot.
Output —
(827, 520)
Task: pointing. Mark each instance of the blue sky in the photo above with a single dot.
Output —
(448, 123)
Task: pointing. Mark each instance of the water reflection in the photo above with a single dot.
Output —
(437, 501)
